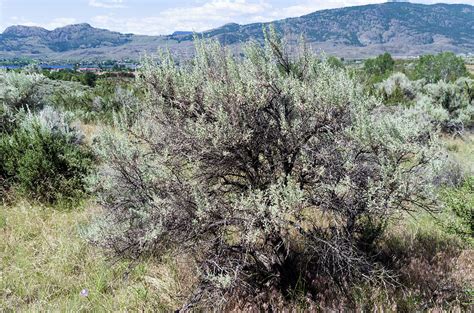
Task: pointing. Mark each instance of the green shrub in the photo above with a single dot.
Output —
(459, 203)
(398, 89)
(379, 68)
(43, 159)
(94, 104)
(21, 90)
(450, 104)
(444, 66)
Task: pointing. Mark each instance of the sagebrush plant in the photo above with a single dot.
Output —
(44, 160)
(41, 155)
(459, 202)
(270, 170)
(450, 104)
(94, 104)
(21, 90)
(398, 89)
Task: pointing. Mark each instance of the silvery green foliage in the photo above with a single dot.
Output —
(398, 82)
(450, 104)
(21, 90)
(268, 170)
(54, 121)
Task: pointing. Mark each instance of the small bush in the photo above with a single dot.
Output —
(450, 104)
(459, 203)
(43, 159)
(398, 89)
(21, 90)
(94, 104)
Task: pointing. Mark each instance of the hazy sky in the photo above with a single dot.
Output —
(161, 16)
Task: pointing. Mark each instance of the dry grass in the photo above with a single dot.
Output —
(44, 265)
(435, 266)
(463, 150)
(470, 68)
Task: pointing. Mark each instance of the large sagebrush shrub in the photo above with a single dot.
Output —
(272, 171)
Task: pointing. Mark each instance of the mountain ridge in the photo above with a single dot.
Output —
(401, 28)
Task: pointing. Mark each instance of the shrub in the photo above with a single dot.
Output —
(93, 104)
(273, 172)
(450, 104)
(44, 160)
(21, 91)
(335, 62)
(398, 89)
(459, 202)
(444, 66)
(379, 66)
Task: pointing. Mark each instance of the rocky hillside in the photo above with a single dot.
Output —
(404, 29)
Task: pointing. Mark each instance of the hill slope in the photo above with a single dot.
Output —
(404, 29)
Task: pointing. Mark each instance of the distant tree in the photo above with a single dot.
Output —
(89, 79)
(380, 65)
(444, 66)
(335, 62)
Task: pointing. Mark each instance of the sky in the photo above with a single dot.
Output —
(159, 17)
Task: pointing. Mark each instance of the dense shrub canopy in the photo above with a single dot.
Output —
(444, 66)
(449, 104)
(269, 170)
(41, 155)
(380, 65)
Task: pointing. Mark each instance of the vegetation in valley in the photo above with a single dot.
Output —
(276, 180)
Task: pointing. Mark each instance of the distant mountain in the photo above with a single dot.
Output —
(72, 37)
(401, 28)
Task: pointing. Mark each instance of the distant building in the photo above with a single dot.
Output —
(89, 69)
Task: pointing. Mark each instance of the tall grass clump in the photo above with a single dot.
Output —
(276, 173)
